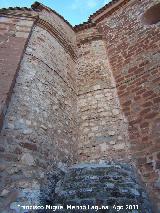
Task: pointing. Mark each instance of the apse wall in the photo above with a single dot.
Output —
(103, 129)
(39, 129)
(132, 48)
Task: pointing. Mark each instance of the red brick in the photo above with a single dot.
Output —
(132, 69)
(147, 104)
(137, 97)
(144, 139)
(151, 115)
(126, 103)
(122, 87)
(144, 125)
(156, 100)
(139, 70)
(156, 80)
(148, 93)
(145, 111)
(143, 63)
(140, 92)
(29, 146)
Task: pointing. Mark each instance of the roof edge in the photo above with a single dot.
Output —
(99, 15)
(107, 10)
(83, 26)
(37, 6)
(16, 8)
(108, 5)
(18, 12)
(102, 13)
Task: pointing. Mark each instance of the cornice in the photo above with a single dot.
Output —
(96, 17)
(37, 6)
(83, 26)
(54, 32)
(18, 12)
(89, 39)
(30, 13)
(107, 10)
(102, 13)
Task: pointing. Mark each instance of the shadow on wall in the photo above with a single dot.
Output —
(152, 15)
(109, 184)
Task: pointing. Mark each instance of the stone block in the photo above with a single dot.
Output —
(27, 159)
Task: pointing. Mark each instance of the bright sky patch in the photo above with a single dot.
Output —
(75, 11)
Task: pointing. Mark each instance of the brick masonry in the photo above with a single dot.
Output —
(14, 32)
(133, 53)
(83, 94)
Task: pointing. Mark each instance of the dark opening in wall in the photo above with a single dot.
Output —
(152, 15)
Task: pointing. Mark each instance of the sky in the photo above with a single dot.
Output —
(75, 11)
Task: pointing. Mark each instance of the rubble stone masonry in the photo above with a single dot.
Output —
(103, 130)
(40, 124)
(85, 94)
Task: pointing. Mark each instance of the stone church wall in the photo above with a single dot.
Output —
(102, 126)
(39, 129)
